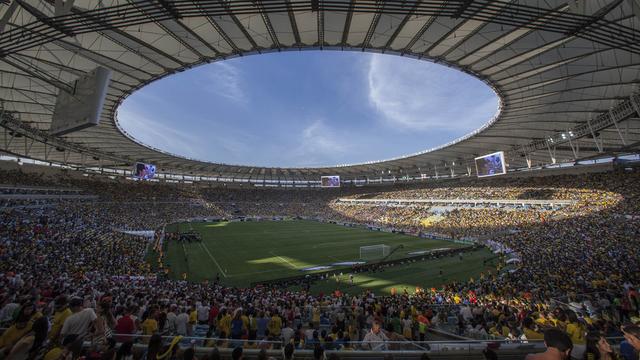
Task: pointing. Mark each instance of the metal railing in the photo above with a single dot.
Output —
(392, 346)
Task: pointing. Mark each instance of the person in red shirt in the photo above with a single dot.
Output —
(213, 314)
(125, 326)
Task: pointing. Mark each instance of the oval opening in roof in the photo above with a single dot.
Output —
(307, 109)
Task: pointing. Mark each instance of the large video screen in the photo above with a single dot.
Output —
(144, 171)
(330, 181)
(491, 165)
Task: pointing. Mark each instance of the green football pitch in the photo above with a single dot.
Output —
(241, 253)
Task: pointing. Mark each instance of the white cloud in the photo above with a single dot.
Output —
(318, 137)
(224, 79)
(153, 132)
(319, 145)
(417, 95)
(223, 143)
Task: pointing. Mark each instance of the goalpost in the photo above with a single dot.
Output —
(372, 252)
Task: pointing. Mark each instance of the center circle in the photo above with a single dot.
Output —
(307, 109)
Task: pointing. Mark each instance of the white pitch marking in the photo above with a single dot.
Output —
(283, 259)
(205, 248)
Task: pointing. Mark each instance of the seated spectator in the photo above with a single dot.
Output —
(32, 345)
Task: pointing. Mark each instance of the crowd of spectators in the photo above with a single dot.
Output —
(68, 273)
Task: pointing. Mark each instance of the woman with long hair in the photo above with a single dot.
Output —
(125, 352)
(103, 326)
(22, 325)
(154, 348)
(597, 348)
(577, 331)
(31, 346)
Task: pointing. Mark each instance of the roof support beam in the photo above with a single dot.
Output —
(400, 26)
(219, 30)
(235, 20)
(418, 35)
(7, 15)
(347, 24)
(268, 25)
(294, 24)
(374, 24)
(320, 20)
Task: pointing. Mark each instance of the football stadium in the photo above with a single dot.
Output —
(497, 223)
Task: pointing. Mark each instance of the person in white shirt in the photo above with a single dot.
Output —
(375, 339)
(466, 313)
(80, 321)
(171, 319)
(10, 308)
(287, 333)
(308, 334)
(182, 323)
(202, 313)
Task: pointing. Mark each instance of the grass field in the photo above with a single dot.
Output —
(245, 252)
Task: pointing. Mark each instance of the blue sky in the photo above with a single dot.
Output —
(307, 108)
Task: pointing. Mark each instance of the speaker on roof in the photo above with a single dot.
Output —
(81, 107)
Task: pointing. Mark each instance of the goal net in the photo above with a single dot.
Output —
(373, 252)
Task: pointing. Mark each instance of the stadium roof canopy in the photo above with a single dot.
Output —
(566, 71)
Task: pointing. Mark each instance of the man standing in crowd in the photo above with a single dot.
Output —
(375, 339)
(558, 345)
(80, 321)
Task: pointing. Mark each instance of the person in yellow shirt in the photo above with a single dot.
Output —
(577, 332)
(275, 325)
(61, 313)
(542, 319)
(245, 320)
(225, 322)
(315, 317)
(500, 330)
(529, 331)
(575, 328)
(150, 325)
(27, 315)
(193, 316)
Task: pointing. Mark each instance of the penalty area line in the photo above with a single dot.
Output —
(284, 260)
(205, 248)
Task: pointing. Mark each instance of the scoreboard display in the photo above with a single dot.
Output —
(330, 181)
(491, 165)
(144, 171)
